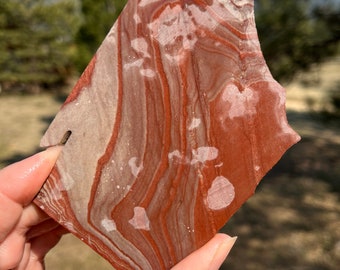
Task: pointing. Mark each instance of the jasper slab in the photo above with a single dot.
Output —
(173, 124)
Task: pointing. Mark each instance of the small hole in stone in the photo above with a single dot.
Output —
(65, 138)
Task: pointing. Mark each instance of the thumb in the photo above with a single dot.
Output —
(21, 181)
(210, 256)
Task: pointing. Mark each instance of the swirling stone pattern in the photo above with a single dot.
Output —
(174, 122)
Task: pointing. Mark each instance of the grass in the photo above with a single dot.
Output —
(23, 119)
(293, 220)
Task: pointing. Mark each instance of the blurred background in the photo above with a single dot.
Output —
(293, 221)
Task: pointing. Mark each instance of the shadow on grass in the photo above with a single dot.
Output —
(61, 97)
(20, 156)
(14, 158)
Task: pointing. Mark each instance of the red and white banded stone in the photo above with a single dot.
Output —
(174, 122)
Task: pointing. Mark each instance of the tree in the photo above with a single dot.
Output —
(98, 18)
(36, 42)
(327, 16)
(296, 34)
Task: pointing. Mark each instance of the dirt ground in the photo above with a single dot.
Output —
(293, 220)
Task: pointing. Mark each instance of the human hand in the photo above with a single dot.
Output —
(26, 232)
(210, 256)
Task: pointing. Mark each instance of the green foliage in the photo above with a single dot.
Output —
(328, 16)
(98, 18)
(295, 34)
(36, 41)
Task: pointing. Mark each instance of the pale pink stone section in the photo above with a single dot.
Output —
(140, 220)
(220, 194)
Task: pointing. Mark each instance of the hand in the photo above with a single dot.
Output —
(26, 232)
(210, 256)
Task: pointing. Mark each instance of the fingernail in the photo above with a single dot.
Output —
(222, 251)
(52, 153)
(230, 242)
(226, 246)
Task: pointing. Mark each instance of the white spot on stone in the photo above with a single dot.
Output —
(189, 229)
(241, 103)
(137, 18)
(177, 58)
(174, 24)
(147, 73)
(136, 63)
(135, 170)
(178, 157)
(144, 3)
(140, 45)
(203, 154)
(194, 123)
(257, 168)
(68, 225)
(109, 225)
(140, 219)
(220, 194)
(174, 153)
(235, 8)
